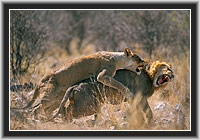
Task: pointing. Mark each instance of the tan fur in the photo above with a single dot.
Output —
(101, 64)
(86, 97)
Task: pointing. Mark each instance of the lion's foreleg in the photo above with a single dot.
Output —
(106, 78)
(142, 105)
(149, 114)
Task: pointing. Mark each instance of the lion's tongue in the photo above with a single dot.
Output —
(160, 81)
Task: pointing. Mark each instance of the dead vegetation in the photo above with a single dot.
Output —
(152, 34)
(170, 106)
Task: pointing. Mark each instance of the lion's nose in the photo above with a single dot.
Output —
(172, 76)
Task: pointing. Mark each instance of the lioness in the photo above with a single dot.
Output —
(101, 64)
(86, 96)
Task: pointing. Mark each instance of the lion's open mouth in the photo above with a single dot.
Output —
(163, 79)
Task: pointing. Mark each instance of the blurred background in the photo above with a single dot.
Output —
(43, 39)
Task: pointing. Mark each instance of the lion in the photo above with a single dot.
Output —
(86, 97)
(102, 64)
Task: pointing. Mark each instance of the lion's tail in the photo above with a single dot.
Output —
(35, 95)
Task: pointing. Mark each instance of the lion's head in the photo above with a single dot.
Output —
(161, 73)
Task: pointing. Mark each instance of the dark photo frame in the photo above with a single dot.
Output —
(123, 5)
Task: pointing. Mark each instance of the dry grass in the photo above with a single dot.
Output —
(170, 106)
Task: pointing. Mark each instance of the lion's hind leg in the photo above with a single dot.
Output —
(50, 101)
(61, 108)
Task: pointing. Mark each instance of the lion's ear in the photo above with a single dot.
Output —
(170, 64)
(128, 52)
(159, 60)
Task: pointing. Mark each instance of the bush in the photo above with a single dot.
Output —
(27, 41)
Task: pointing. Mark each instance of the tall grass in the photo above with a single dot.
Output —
(170, 106)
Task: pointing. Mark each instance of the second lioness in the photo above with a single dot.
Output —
(101, 64)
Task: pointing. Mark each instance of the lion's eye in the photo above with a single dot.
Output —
(135, 56)
(169, 69)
